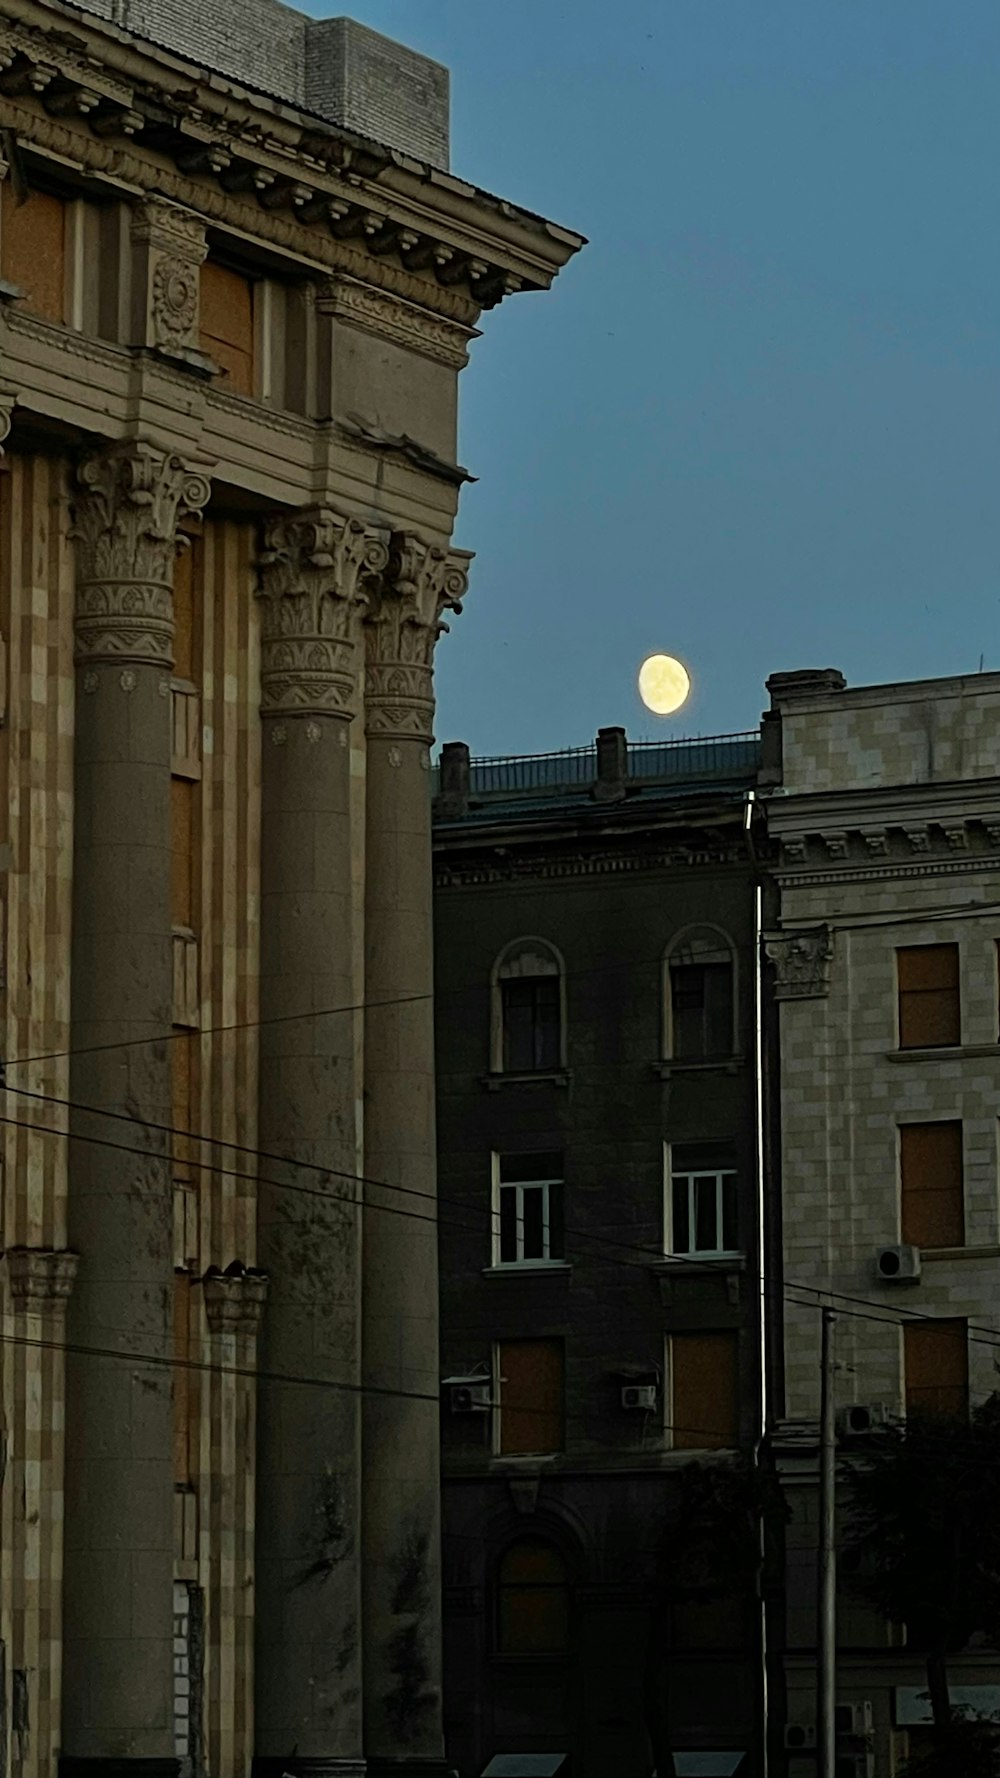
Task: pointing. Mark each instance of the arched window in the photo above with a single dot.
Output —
(532, 1599)
(700, 996)
(528, 1009)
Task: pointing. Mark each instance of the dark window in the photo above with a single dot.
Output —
(929, 1004)
(701, 1009)
(531, 1020)
(532, 1599)
(528, 1213)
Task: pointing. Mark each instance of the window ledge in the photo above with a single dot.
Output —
(932, 1254)
(673, 1264)
(943, 1052)
(557, 1077)
(518, 1268)
(668, 1065)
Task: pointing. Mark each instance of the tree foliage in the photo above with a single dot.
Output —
(924, 1501)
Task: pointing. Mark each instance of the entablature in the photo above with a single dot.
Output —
(79, 90)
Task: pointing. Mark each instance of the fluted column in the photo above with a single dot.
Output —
(402, 1569)
(315, 572)
(118, 1702)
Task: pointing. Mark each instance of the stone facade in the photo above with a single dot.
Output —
(883, 836)
(602, 866)
(230, 337)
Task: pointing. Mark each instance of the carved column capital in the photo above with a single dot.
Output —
(125, 525)
(422, 581)
(317, 570)
(170, 248)
(234, 1301)
(40, 1278)
(801, 962)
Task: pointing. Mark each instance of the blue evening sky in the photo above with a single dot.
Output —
(756, 422)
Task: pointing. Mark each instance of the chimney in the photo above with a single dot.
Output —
(612, 766)
(452, 799)
(806, 682)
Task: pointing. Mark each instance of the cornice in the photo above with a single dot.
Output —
(835, 852)
(896, 872)
(66, 339)
(390, 317)
(313, 189)
(598, 864)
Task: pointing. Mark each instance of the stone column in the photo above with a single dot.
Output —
(315, 572)
(117, 1710)
(402, 1568)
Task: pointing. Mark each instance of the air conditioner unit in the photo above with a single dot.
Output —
(854, 1718)
(641, 1396)
(898, 1265)
(800, 1737)
(471, 1398)
(862, 1417)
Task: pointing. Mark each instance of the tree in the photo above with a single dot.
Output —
(710, 1550)
(924, 1500)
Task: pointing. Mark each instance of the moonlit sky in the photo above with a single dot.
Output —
(756, 422)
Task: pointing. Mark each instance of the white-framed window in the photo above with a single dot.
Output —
(527, 1209)
(702, 1211)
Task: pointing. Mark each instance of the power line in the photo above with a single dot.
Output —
(173, 1035)
(647, 1256)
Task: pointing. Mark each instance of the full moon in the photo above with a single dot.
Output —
(664, 683)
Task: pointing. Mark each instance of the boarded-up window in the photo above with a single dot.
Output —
(703, 1386)
(33, 249)
(929, 1006)
(936, 1364)
(530, 1393)
(930, 1170)
(181, 849)
(181, 1378)
(227, 323)
(532, 1599)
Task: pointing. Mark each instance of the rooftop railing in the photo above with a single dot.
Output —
(704, 756)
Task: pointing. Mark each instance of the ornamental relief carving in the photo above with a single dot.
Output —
(171, 248)
(422, 581)
(125, 525)
(40, 1278)
(317, 573)
(801, 963)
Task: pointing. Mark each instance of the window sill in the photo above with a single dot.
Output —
(557, 1077)
(674, 1263)
(668, 1065)
(944, 1052)
(518, 1268)
(932, 1254)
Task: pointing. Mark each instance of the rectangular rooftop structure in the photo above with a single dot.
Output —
(335, 68)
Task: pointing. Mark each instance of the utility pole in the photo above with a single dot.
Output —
(826, 1678)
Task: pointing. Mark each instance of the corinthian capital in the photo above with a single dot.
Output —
(125, 526)
(316, 573)
(423, 581)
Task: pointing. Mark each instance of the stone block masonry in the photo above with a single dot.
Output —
(334, 67)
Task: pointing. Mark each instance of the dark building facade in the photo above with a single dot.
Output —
(599, 1255)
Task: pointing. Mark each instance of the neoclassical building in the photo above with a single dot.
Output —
(237, 286)
(881, 815)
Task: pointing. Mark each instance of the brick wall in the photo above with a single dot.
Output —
(334, 67)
